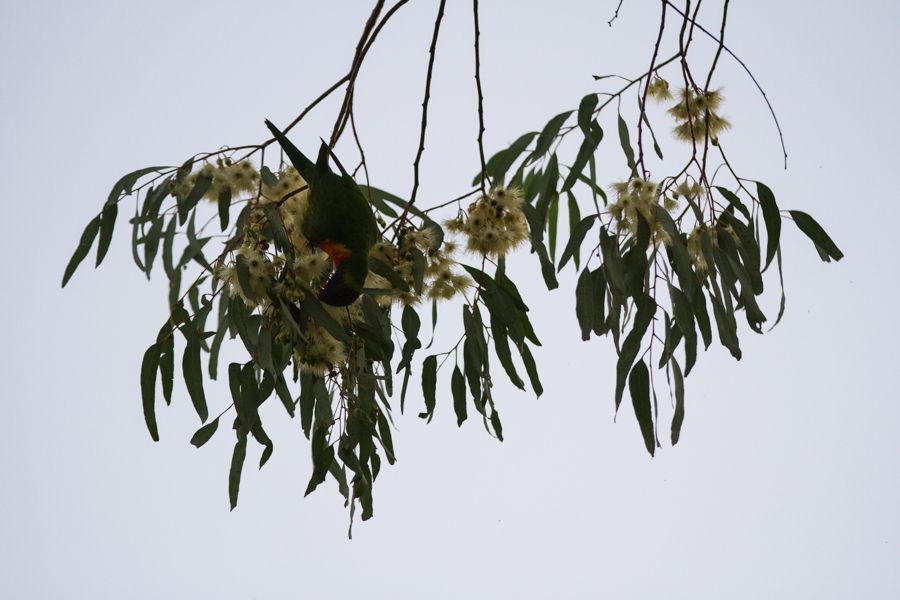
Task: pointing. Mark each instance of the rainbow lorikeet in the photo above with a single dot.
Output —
(339, 221)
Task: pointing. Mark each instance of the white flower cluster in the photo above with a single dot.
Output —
(494, 224)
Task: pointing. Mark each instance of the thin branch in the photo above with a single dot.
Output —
(480, 98)
(354, 71)
(719, 49)
(616, 14)
(431, 53)
(640, 140)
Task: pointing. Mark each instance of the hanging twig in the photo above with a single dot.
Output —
(480, 99)
(431, 52)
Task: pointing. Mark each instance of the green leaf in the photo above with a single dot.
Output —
(84, 245)
(193, 378)
(826, 246)
(772, 217)
(167, 364)
(384, 270)
(734, 201)
(224, 206)
(203, 435)
(201, 186)
(783, 294)
(548, 135)
(126, 183)
(537, 245)
(149, 366)
(679, 257)
(168, 243)
(268, 177)
(322, 317)
(586, 112)
(584, 303)
(678, 417)
(107, 223)
(495, 423)
(429, 385)
(575, 240)
(574, 220)
(625, 141)
(458, 387)
(552, 225)
(499, 163)
(531, 369)
(501, 346)
(684, 316)
(284, 394)
(264, 350)
(646, 308)
(237, 465)
(279, 233)
(585, 153)
(646, 121)
(322, 456)
(612, 263)
(639, 386)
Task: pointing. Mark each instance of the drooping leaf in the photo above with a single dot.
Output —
(553, 225)
(625, 142)
(193, 378)
(639, 387)
(201, 186)
(149, 366)
(84, 246)
(585, 152)
(499, 163)
(646, 308)
(772, 217)
(734, 200)
(107, 223)
(678, 416)
(322, 317)
(166, 344)
(584, 303)
(429, 385)
(203, 435)
(574, 219)
(826, 246)
(501, 346)
(125, 185)
(237, 465)
(548, 135)
(575, 240)
(458, 387)
(531, 369)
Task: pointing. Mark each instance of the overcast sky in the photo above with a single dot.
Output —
(786, 483)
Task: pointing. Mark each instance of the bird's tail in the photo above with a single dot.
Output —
(304, 166)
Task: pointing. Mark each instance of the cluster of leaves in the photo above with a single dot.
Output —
(669, 263)
(344, 408)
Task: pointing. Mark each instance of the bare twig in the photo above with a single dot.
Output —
(616, 14)
(354, 71)
(640, 140)
(480, 98)
(431, 52)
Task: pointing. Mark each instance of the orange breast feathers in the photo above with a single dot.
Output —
(337, 251)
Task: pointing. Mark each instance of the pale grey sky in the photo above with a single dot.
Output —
(786, 483)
